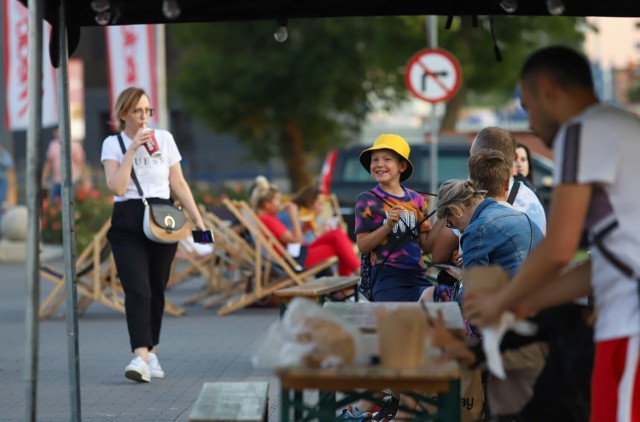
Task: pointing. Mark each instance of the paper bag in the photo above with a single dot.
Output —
(402, 333)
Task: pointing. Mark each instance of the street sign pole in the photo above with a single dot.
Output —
(433, 43)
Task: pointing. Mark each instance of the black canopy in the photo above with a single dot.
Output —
(127, 12)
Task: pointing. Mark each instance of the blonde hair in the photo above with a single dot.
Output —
(457, 191)
(262, 192)
(125, 102)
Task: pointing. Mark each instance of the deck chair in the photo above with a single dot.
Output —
(190, 262)
(233, 265)
(97, 280)
(332, 208)
(274, 267)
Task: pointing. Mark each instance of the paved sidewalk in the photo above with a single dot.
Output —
(196, 348)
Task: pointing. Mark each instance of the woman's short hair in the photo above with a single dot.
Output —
(261, 192)
(125, 102)
(456, 191)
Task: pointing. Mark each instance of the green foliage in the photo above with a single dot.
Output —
(633, 94)
(209, 196)
(92, 209)
(236, 78)
(322, 83)
(516, 36)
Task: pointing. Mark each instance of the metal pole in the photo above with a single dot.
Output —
(34, 139)
(433, 43)
(164, 120)
(68, 219)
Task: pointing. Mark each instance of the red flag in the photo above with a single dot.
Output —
(16, 62)
(132, 61)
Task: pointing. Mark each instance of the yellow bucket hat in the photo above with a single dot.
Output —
(396, 144)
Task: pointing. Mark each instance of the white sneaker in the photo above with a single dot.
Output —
(137, 370)
(154, 366)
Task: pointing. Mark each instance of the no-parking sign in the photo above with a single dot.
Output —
(433, 75)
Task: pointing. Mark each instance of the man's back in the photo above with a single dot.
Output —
(612, 219)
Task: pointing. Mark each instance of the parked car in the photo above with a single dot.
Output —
(343, 175)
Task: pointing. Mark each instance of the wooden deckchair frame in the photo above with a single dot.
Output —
(274, 267)
(233, 266)
(334, 205)
(196, 265)
(97, 280)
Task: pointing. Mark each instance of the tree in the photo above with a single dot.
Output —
(300, 98)
(483, 77)
(633, 93)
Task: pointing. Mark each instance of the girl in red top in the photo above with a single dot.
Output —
(266, 201)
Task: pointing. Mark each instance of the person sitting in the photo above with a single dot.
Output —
(310, 203)
(443, 242)
(266, 201)
(561, 393)
(492, 232)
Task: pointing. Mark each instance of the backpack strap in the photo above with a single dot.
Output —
(514, 192)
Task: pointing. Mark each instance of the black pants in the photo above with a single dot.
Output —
(143, 268)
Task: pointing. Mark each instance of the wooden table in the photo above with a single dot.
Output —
(320, 290)
(441, 379)
(363, 314)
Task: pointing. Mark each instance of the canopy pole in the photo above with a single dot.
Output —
(34, 138)
(433, 122)
(68, 217)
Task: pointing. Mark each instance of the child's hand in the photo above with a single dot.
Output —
(393, 216)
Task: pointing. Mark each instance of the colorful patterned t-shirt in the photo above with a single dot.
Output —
(400, 249)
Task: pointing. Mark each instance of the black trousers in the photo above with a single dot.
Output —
(144, 268)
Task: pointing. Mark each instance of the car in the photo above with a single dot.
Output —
(343, 175)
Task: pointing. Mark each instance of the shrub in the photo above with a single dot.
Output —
(92, 209)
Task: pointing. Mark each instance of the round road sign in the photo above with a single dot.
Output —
(433, 75)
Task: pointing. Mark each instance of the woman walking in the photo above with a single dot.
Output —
(143, 265)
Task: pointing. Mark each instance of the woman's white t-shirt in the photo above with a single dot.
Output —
(152, 173)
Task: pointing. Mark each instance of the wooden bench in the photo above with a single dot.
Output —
(231, 401)
(320, 289)
(357, 382)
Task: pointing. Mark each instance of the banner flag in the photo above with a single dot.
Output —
(16, 63)
(131, 53)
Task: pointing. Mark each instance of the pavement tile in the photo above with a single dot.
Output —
(196, 348)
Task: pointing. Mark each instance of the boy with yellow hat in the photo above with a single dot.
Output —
(391, 223)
